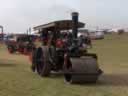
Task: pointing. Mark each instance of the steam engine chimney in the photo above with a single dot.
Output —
(75, 20)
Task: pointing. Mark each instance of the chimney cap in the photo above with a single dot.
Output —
(75, 13)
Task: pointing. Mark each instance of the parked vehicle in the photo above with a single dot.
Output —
(20, 43)
(96, 35)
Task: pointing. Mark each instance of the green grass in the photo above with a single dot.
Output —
(16, 78)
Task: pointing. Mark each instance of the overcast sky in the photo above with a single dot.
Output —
(18, 15)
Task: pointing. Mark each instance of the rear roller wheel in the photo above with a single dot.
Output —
(42, 61)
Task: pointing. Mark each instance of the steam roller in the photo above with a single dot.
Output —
(62, 50)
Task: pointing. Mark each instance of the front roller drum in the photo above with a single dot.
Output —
(83, 70)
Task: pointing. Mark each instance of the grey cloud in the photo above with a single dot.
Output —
(18, 15)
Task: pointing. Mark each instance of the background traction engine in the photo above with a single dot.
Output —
(22, 44)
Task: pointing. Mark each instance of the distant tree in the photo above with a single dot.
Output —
(121, 31)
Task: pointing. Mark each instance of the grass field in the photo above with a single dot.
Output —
(16, 78)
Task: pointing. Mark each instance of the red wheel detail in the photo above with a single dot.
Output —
(30, 57)
(10, 50)
(21, 50)
(25, 51)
